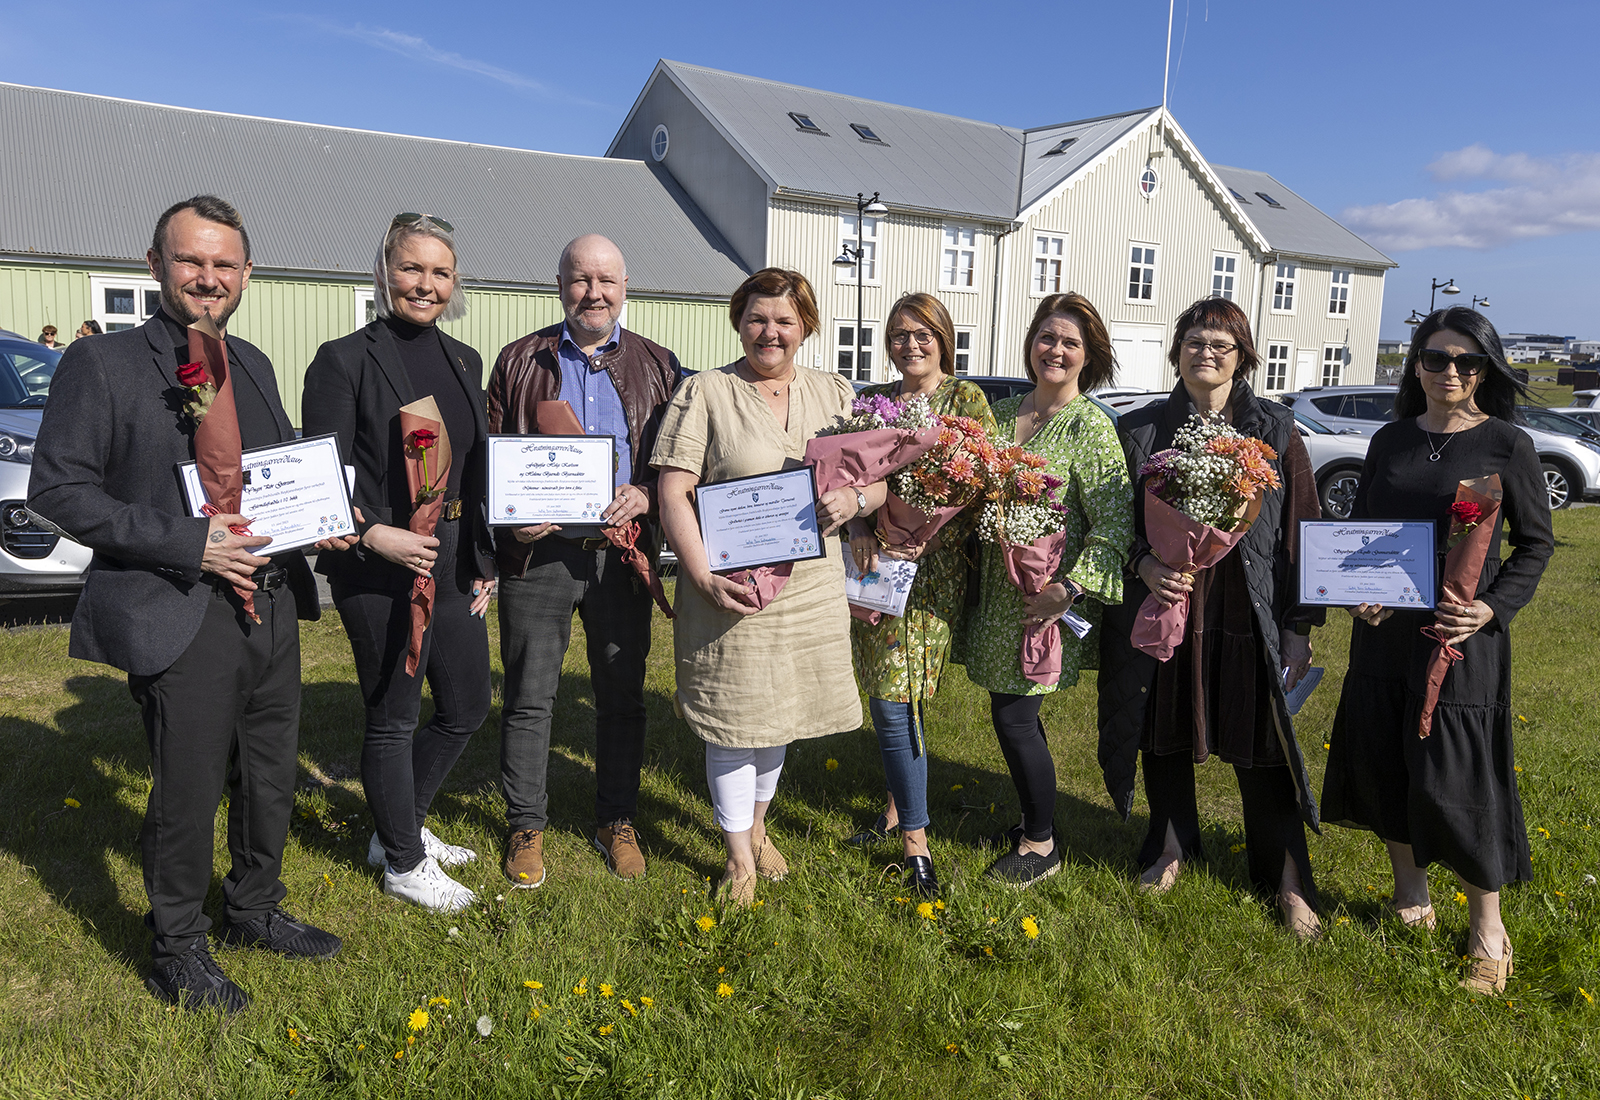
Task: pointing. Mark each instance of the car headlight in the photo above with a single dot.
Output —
(1589, 443)
(16, 447)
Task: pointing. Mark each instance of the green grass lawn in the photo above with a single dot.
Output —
(835, 986)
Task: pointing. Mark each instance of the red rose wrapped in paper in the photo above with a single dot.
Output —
(1472, 523)
(426, 447)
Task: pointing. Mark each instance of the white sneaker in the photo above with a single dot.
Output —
(427, 885)
(448, 855)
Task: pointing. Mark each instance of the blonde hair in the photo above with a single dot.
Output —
(382, 305)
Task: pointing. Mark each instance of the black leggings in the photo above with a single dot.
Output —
(1272, 824)
(1027, 753)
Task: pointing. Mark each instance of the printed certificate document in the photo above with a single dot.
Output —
(766, 519)
(550, 478)
(296, 493)
(1343, 564)
(884, 589)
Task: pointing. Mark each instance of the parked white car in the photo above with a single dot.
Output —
(1584, 415)
(35, 560)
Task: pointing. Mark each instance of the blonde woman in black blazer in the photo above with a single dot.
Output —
(355, 387)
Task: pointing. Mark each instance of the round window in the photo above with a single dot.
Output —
(658, 143)
(1149, 182)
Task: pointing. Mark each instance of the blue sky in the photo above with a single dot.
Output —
(1461, 138)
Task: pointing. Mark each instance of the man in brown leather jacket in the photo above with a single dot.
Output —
(617, 383)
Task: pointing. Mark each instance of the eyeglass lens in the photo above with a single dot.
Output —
(901, 339)
(1198, 347)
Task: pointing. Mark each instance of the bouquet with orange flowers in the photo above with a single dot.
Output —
(933, 490)
(1200, 498)
(1022, 513)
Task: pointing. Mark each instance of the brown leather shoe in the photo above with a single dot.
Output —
(524, 859)
(619, 843)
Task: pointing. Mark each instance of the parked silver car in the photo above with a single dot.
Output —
(34, 560)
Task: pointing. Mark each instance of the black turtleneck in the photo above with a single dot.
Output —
(433, 374)
(257, 426)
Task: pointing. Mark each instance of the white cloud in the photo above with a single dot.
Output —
(1543, 197)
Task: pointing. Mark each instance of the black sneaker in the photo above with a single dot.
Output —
(1019, 868)
(1008, 839)
(880, 830)
(279, 931)
(194, 981)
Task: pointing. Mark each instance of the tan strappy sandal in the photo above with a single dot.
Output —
(1488, 976)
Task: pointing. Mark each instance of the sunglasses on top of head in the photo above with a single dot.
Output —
(1434, 361)
(409, 219)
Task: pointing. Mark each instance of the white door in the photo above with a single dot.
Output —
(1304, 366)
(1141, 355)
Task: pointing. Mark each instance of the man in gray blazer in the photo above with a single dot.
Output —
(219, 691)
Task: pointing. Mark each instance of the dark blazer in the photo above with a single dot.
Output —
(104, 471)
(354, 388)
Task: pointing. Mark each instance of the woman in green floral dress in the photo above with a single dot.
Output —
(1069, 353)
(899, 659)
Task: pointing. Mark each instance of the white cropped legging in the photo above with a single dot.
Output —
(739, 778)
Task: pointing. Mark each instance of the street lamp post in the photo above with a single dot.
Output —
(1476, 302)
(1446, 287)
(856, 257)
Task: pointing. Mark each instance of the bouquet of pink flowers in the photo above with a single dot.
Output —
(1021, 512)
(880, 436)
(1201, 497)
(933, 490)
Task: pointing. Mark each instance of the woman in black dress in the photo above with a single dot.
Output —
(355, 387)
(1450, 797)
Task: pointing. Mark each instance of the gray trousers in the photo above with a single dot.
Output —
(535, 627)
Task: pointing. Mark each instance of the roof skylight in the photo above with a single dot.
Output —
(1238, 196)
(1268, 199)
(866, 133)
(805, 125)
(1059, 147)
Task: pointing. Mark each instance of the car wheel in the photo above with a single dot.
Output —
(1337, 492)
(1558, 484)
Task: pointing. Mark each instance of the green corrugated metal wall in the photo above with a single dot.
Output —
(290, 318)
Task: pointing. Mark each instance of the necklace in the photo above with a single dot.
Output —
(763, 383)
(1435, 452)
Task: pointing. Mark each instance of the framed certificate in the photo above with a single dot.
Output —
(550, 478)
(296, 493)
(1343, 564)
(762, 520)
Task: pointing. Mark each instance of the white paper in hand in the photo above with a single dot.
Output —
(885, 589)
(1076, 623)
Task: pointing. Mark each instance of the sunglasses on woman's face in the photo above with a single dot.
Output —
(1435, 362)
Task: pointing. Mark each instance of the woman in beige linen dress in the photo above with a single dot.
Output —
(752, 679)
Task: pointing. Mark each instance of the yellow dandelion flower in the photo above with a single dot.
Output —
(71, 803)
(831, 764)
(722, 970)
(1559, 894)
(1030, 927)
(438, 1001)
(1342, 920)
(630, 1009)
(939, 905)
(705, 923)
(1516, 767)
(534, 985)
(326, 879)
(523, 875)
(399, 1054)
(418, 1020)
(989, 951)
(607, 1029)
(724, 989)
(1586, 994)
(647, 1001)
(1326, 746)
(361, 1046)
(955, 786)
(1236, 848)
(533, 1014)
(294, 1036)
(1542, 831)
(582, 988)
(410, 1040)
(991, 807)
(759, 903)
(1461, 899)
(951, 1047)
(605, 990)
(925, 910)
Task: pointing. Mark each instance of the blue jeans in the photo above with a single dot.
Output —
(905, 769)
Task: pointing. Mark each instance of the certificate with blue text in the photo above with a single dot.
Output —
(550, 478)
(767, 519)
(1343, 564)
(295, 493)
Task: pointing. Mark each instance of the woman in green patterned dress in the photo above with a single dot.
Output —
(1068, 354)
(898, 660)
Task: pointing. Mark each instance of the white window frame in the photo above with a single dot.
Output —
(952, 252)
(872, 247)
(1285, 280)
(1279, 355)
(1339, 283)
(141, 285)
(365, 299)
(1148, 261)
(869, 351)
(1049, 260)
(1224, 275)
(1333, 356)
(970, 352)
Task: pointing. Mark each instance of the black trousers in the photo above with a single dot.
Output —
(402, 767)
(1027, 752)
(1272, 825)
(224, 717)
(535, 627)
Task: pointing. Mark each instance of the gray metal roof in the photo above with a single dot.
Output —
(1295, 226)
(86, 176)
(928, 161)
(1043, 171)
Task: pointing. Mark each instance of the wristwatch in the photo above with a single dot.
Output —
(861, 502)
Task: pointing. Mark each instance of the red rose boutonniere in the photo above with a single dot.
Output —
(202, 391)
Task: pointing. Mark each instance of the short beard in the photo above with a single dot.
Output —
(581, 329)
(179, 310)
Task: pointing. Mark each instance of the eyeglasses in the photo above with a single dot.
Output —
(903, 339)
(1200, 347)
(408, 219)
(1434, 361)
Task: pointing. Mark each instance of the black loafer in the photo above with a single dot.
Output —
(920, 876)
(194, 981)
(279, 931)
(879, 831)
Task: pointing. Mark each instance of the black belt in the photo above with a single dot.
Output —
(586, 544)
(265, 580)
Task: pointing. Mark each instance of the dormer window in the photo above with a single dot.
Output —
(1059, 147)
(1269, 200)
(866, 133)
(805, 125)
(1238, 196)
